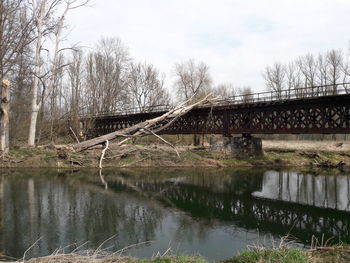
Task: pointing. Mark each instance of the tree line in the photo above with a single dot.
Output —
(51, 81)
(325, 69)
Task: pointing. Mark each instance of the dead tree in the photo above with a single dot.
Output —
(4, 116)
(44, 12)
(148, 127)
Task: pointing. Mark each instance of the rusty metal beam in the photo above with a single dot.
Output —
(321, 115)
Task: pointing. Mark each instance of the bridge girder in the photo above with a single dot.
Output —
(322, 115)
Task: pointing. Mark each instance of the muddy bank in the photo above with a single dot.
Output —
(336, 254)
(155, 155)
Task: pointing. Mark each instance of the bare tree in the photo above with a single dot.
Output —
(15, 34)
(146, 87)
(15, 39)
(225, 91)
(192, 79)
(75, 76)
(308, 68)
(20, 94)
(335, 66)
(57, 100)
(322, 66)
(47, 25)
(246, 94)
(346, 72)
(106, 70)
(275, 78)
(306, 74)
(294, 80)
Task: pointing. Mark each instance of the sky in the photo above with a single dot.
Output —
(237, 39)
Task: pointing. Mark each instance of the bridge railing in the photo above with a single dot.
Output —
(289, 94)
(267, 96)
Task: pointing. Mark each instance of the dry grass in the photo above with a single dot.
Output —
(75, 258)
(308, 145)
(334, 254)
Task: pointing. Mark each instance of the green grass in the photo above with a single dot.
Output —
(190, 156)
(281, 255)
(32, 152)
(23, 152)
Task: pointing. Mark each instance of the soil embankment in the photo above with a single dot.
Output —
(276, 154)
(336, 254)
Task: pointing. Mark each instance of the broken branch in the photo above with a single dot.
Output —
(165, 141)
(103, 154)
(142, 129)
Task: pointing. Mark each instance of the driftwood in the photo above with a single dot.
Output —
(103, 154)
(328, 164)
(75, 136)
(148, 127)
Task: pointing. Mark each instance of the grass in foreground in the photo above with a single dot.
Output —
(335, 254)
(72, 258)
(175, 259)
(261, 255)
(276, 255)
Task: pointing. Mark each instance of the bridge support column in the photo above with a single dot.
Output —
(237, 147)
(246, 146)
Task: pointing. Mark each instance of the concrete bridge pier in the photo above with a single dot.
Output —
(246, 146)
(241, 147)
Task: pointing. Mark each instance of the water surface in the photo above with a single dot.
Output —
(215, 213)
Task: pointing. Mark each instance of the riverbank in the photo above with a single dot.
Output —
(276, 154)
(337, 254)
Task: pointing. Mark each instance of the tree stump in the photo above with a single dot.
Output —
(4, 117)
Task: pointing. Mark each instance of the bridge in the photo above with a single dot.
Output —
(311, 110)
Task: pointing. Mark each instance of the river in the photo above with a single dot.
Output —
(212, 212)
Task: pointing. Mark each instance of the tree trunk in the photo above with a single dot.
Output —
(4, 117)
(32, 127)
(34, 105)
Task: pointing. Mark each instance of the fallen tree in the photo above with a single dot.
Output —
(148, 127)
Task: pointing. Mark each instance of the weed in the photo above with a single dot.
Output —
(273, 255)
(175, 259)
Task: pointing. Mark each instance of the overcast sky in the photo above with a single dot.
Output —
(235, 38)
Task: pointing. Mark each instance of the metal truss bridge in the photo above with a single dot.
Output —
(310, 110)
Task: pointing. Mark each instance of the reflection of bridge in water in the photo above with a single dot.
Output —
(275, 202)
(320, 191)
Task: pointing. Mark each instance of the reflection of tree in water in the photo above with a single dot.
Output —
(188, 230)
(320, 191)
(154, 187)
(230, 199)
(64, 214)
(67, 209)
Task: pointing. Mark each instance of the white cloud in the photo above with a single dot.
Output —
(236, 38)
